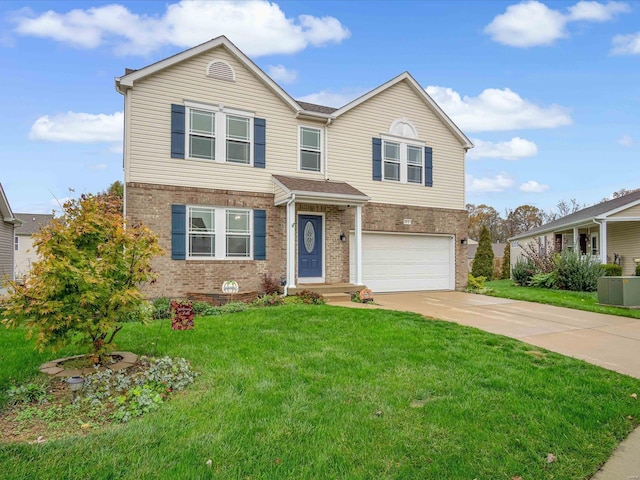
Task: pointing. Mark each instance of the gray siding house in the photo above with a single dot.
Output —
(7, 240)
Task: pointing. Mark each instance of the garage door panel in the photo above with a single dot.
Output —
(397, 262)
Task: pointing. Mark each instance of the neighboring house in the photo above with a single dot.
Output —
(609, 230)
(240, 180)
(25, 254)
(7, 240)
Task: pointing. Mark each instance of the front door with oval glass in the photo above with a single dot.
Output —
(310, 247)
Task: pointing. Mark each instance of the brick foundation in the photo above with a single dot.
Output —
(151, 204)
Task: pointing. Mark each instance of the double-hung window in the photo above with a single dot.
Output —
(238, 139)
(16, 243)
(310, 149)
(392, 161)
(402, 161)
(219, 233)
(219, 133)
(202, 134)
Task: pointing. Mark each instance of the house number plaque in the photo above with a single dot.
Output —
(309, 237)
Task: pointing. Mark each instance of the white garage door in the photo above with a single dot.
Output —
(404, 263)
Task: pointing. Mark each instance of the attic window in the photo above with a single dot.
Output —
(221, 70)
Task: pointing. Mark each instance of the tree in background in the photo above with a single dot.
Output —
(116, 189)
(86, 281)
(480, 215)
(506, 262)
(523, 218)
(483, 260)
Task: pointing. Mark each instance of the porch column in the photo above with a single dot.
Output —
(291, 244)
(358, 249)
(576, 240)
(603, 242)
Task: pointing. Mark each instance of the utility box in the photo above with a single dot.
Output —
(619, 291)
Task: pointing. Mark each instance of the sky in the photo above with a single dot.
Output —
(549, 92)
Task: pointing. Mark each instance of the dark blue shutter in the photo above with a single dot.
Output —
(177, 131)
(259, 234)
(428, 167)
(259, 142)
(178, 232)
(377, 159)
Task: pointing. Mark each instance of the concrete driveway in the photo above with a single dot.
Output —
(606, 340)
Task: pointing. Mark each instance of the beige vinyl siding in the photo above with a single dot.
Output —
(350, 151)
(517, 252)
(6, 251)
(150, 126)
(629, 212)
(624, 238)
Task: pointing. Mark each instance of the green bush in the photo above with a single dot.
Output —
(142, 314)
(506, 262)
(270, 300)
(522, 272)
(475, 284)
(577, 272)
(161, 308)
(483, 259)
(638, 270)
(544, 280)
(612, 270)
(307, 296)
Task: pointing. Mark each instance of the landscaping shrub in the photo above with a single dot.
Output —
(161, 308)
(307, 296)
(612, 270)
(544, 280)
(483, 259)
(497, 268)
(268, 300)
(269, 284)
(475, 284)
(506, 262)
(201, 309)
(578, 272)
(522, 271)
(540, 255)
(638, 270)
(28, 393)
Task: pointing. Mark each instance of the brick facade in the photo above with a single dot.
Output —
(151, 204)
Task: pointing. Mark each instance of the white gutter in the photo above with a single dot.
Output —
(326, 148)
(290, 244)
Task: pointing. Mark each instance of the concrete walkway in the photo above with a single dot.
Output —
(606, 340)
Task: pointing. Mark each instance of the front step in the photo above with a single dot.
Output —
(334, 298)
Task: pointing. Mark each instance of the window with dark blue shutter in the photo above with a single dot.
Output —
(259, 234)
(177, 131)
(259, 142)
(377, 159)
(178, 232)
(428, 167)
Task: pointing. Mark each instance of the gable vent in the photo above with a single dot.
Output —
(221, 70)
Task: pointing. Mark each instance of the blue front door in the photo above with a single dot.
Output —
(310, 246)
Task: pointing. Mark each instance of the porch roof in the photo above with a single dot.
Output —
(585, 216)
(327, 192)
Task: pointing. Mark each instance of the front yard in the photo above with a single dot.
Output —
(327, 392)
(561, 298)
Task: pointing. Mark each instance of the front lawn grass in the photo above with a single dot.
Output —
(561, 298)
(304, 391)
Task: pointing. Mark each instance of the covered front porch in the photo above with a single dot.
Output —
(319, 218)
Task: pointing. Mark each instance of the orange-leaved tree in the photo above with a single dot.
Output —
(86, 281)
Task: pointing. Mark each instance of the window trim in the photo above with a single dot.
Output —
(221, 112)
(220, 233)
(16, 243)
(404, 143)
(320, 150)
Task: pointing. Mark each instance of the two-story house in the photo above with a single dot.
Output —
(239, 179)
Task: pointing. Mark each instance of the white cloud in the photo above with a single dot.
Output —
(626, 44)
(333, 99)
(532, 23)
(78, 128)
(595, 11)
(533, 187)
(496, 109)
(626, 140)
(512, 150)
(258, 27)
(498, 183)
(281, 74)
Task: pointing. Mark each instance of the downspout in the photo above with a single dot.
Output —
(289, 243)
(326, 148)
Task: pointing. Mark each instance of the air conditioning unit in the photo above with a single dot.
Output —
(619, 291)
